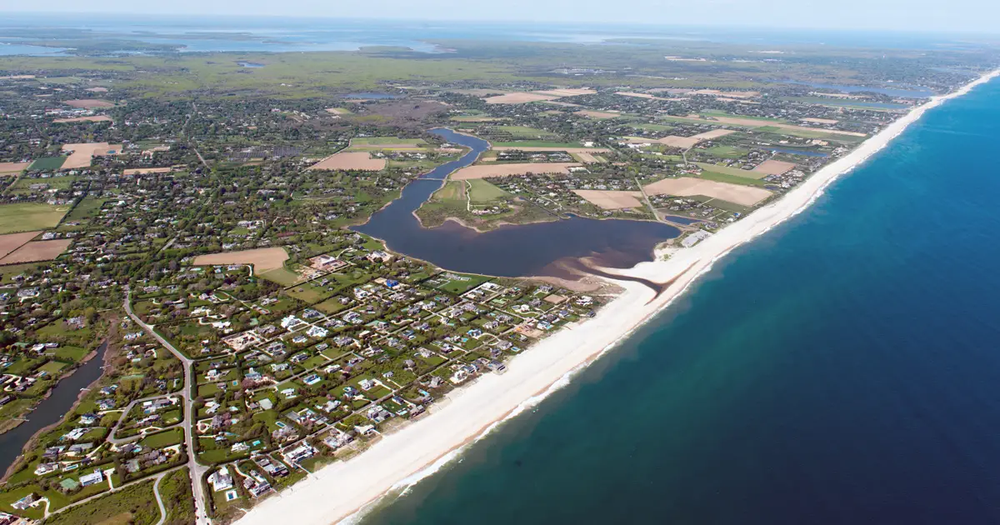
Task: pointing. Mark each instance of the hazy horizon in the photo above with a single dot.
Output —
(887, 15)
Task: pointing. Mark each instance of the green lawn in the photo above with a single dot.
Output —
(163, 439)
(47, 164)
(29, 216)
(483, 191)
(377, 141)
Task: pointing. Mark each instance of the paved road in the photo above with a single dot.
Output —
(196, 469)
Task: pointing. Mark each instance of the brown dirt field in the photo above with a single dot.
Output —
(95, 118)
(145, 171)
(83, 153)
(262, 259)
(506, 170)
(37, 251)
(597, 114)
(635, 95)
(518, 98)
(354, 160)
(337, 111)
(567, 92)
(774, 167)
(13, 168)
(820, 120)
(97, 90)
(90, 103)
(690, 187)
(612, 200)
(714, 134)
(13, 241)
(679, 142)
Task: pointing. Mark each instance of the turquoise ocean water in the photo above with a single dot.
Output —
(842, 369)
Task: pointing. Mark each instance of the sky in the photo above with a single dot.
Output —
(980, 16)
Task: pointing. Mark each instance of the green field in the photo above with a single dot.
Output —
(537, 144)
(47, 164)
(732, 179)
(727, 152)
(29, 216)
(163, 439)
(482, 191)
(735, 172)
(282, 276)
(378, 141)
(133, 504)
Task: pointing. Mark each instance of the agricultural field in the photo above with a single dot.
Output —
(30, 216)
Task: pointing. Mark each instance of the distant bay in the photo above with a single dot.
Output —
(841, 369)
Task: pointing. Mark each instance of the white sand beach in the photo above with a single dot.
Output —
(342, 489)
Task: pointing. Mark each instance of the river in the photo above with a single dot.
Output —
(52, 409)
(508, 251)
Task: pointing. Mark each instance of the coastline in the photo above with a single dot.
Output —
(419, 449)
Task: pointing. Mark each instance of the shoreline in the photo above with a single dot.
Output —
(421, 448)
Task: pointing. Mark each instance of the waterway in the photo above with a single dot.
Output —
(839, 370)
(508, 251)
(52, 409)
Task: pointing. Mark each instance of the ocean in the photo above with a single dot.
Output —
(843, 368)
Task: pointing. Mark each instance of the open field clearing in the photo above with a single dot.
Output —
(774, 167)
(262, 259)
(13, 168)
(90, 103)
(84, 153)
(47, 164)
(679, 142)
(690, 187)
(93, 118)
(30, 216)
(37, 251)
(553, 148)
(507, 170)
(588, 158)
(758, 123)
(567, 92)
(734, 172)
(13, 241)
(612, 200)
(385, 142)
(519, 98)
(714, 134)
(597, 114)
(146, 171)
(350, 160)
(820, 121)
(337, 111)
(483, 191)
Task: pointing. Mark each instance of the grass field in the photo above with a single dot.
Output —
(163, 439)
(378, 141)
(175, 489)
(483, 191)
(47, 164)
(526, 132)
(132, 505)
(282, 276)
(29, 216)
(732, 179)
(727, 152)
(536, 144)
(735, 172)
